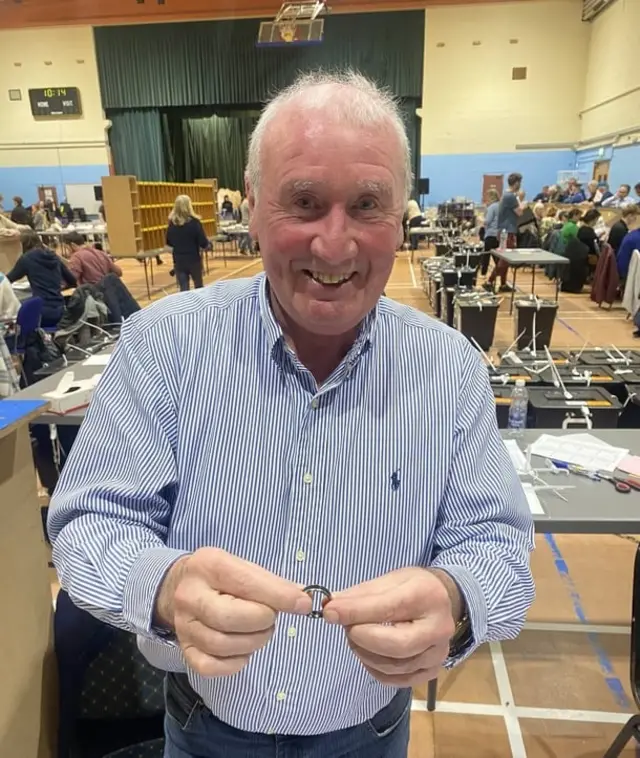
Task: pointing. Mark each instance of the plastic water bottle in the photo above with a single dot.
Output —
(518, 409)
(503, 239)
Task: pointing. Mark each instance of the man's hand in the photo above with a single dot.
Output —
(223, 609)
(399, 625)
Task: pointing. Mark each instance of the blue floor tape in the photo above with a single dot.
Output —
(613, 682)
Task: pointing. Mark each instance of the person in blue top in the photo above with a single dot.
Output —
(47, 274)
(491, 240)
(630, 243)
(267, 442)
(575, 194)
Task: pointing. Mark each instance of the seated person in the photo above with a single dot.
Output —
(88, 264)
(574, 194)
(620, 229)
(570, 228)
(9, 303)
(46, 273)
(623, 258)
(587, 233)
(621, 199)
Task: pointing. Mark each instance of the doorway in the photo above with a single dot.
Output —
(492, 181)
(48, 193)
(601, 171)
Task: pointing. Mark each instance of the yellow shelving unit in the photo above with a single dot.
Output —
(138, 212)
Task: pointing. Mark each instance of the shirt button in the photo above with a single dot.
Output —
(300, 556)
(307, 478)
(281, 696)
(314, 403)
(291, 631)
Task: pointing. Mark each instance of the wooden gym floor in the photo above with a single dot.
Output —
(561, 690)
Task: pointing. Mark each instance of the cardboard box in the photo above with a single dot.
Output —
(71, 394)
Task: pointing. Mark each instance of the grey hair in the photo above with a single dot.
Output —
(354, 99)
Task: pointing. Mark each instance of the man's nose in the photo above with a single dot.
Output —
(334, 239)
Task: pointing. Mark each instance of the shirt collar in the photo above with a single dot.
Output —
(275, 336)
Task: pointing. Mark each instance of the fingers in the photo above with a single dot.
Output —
(234, 576)
(406, 680)
(403, 602)
(433, 657)
(208, 666)
(229, 614)
(400, 641)
(220, 645)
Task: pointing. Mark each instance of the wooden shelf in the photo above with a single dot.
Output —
(138, 212)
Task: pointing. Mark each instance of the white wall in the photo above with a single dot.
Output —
(471, 104)
(49, 151)
(612, 91)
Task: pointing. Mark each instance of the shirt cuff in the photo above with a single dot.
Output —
(142, 587)
(475, 605)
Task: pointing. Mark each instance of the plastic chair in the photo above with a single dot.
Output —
(151, 749)
(111, 698)
(27, 322)
(632, 727)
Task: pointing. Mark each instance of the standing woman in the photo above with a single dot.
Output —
(491, 241)
(186, 237)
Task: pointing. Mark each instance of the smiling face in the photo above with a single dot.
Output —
(328, 219)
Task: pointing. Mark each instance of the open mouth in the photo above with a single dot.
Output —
(329, 280)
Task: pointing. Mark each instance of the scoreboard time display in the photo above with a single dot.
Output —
(55, 101)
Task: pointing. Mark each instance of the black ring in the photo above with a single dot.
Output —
(311, 588)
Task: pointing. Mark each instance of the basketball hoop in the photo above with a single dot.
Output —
(287, 31)
(295, 24)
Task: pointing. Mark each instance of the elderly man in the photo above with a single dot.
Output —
(293, 430)
(621, 199)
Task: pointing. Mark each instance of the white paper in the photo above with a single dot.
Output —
(517, 456)
(592, 455)
(97, 360)
(532, 498)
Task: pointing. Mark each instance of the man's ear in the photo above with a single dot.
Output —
(249, 193)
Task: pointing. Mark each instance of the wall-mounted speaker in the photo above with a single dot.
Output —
(423, 186)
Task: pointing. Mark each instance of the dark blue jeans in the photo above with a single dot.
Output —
(192, 731)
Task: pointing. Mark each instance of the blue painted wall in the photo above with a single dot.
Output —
(24, 181)
(453, 175)
(625, 163)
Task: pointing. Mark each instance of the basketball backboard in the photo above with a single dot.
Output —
(294, 24)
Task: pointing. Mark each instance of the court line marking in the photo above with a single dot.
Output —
(514, 733)
(568, 627)
(413, 275)
(524, 712)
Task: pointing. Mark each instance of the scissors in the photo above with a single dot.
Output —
(621, 485)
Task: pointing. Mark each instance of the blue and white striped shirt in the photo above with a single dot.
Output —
(205, 430)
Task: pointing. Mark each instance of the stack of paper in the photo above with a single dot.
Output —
(532, 498)
(583, 450)
(516, 455)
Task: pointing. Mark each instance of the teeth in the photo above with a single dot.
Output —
(329, 278)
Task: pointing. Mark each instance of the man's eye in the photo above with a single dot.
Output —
(367, 204)
(306, 203)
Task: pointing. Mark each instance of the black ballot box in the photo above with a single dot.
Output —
(502, 397)
(447, 309)
(584, 376)
(630, 416)
(475, 317)
(609, 357)
(549, 408)
(538, 313)
(539, 358)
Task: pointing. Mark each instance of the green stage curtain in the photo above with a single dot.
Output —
(413, 125)
(205, 144)
(216, 63)
(136, 139)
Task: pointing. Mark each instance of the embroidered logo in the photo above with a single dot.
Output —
(395, 480)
